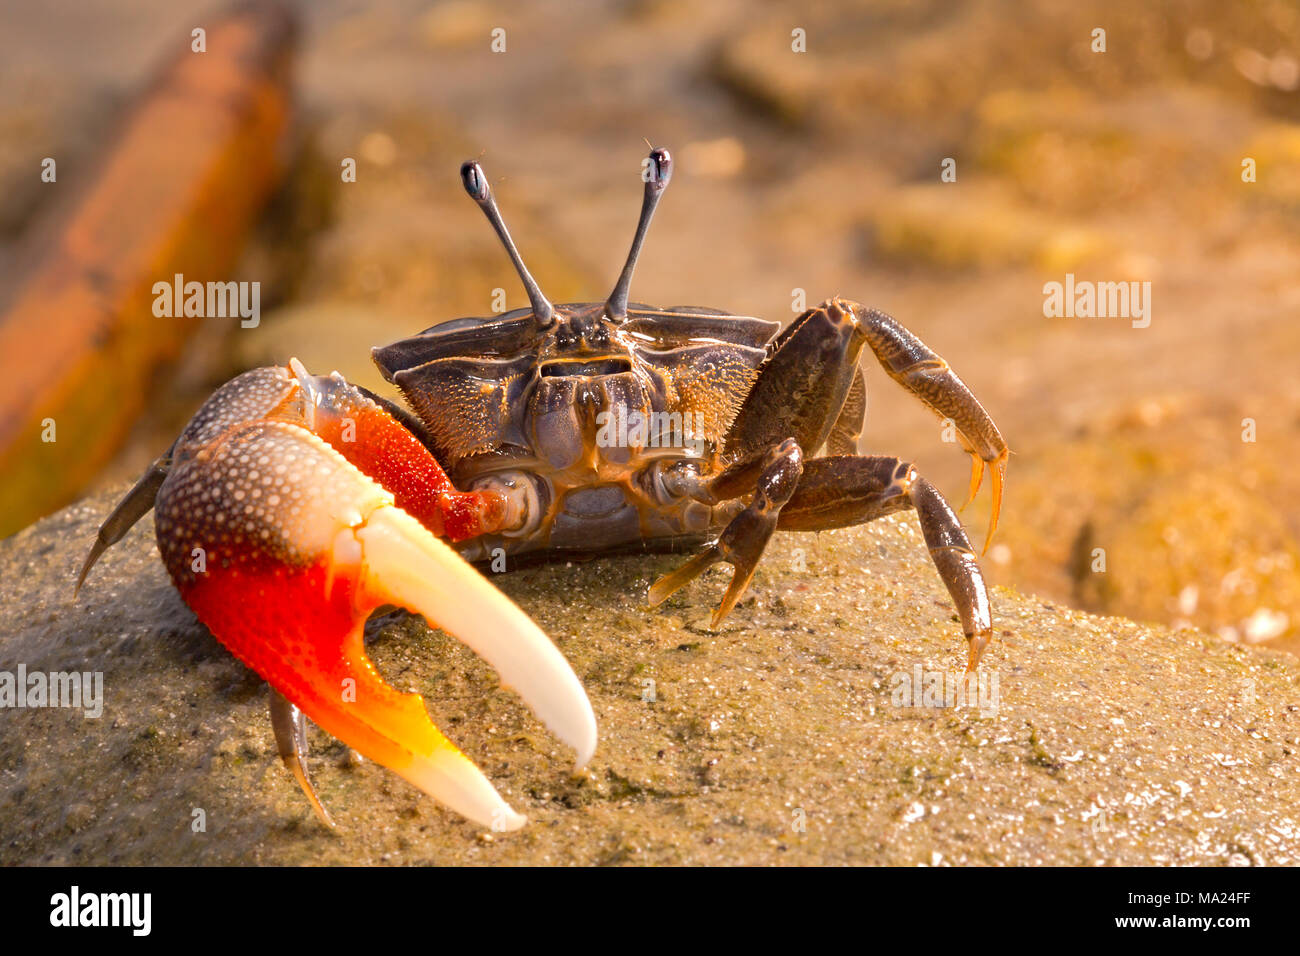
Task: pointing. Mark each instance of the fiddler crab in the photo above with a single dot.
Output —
(555, 431)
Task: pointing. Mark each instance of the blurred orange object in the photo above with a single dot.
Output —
(181, 186)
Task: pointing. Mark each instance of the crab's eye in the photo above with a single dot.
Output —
(661, 164)
(471, 176)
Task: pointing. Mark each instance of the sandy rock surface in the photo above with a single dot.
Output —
(777, 739)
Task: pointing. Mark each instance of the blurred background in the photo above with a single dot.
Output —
(816, 171)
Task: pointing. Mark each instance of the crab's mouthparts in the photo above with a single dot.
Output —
(588, 367)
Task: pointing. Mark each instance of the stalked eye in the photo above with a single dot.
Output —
(660, 169)
(656, 170)
(471, 175)
(612, 366)
(475, 182)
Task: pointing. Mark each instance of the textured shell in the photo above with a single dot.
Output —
(493, 387)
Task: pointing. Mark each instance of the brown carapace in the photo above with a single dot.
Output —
(293, 504)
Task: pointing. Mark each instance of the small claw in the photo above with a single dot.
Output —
(998, 469)
(976, 479)
(679, 577)
(742, 542)
(745, 566)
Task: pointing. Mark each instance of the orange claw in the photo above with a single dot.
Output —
(998, 469)
(998, 472)
(298, 546)
(976, 478)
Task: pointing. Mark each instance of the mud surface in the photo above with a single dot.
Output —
(776, 740)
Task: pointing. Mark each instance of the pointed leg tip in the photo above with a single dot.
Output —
(976, 480)
(91, 558)
(659, 592)
(977, 645)
(993, 529)
(304, 782)
(999, 476)
(323, 816)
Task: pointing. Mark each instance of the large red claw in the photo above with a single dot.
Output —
(297, 547)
